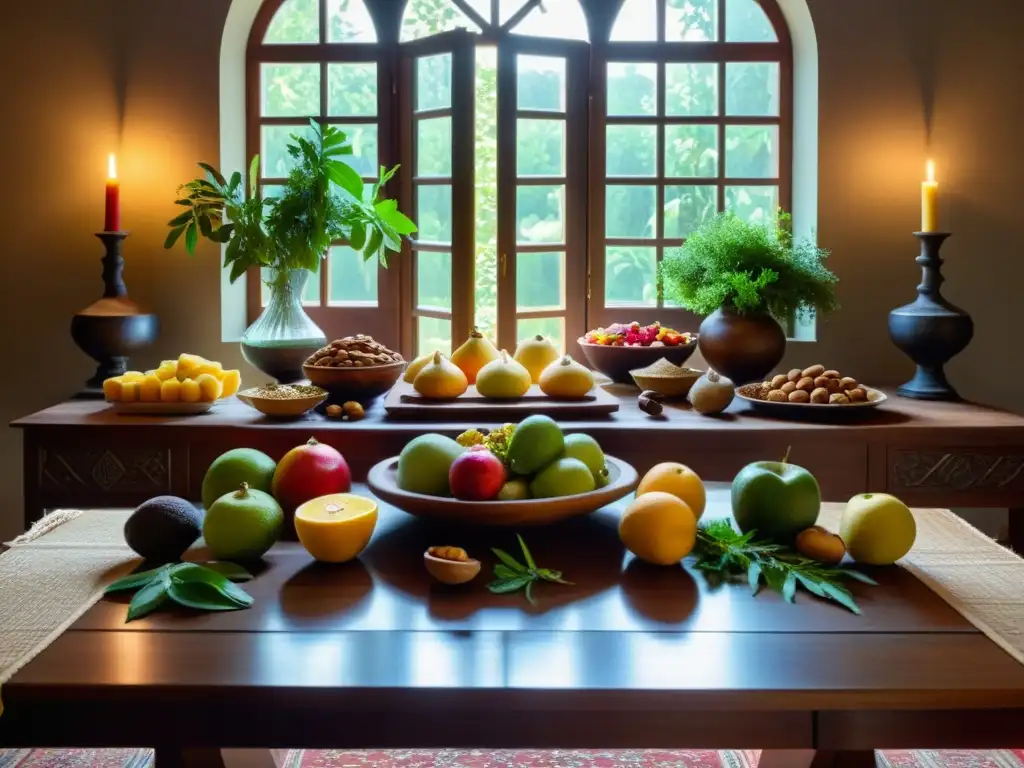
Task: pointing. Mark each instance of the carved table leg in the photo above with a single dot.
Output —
(1016, 530)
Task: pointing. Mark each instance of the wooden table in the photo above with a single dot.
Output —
(928, 454)
(372, 654)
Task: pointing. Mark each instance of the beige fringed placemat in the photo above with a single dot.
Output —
(983, 581)
(52, 575)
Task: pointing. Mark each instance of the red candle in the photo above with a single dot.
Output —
(112, 216)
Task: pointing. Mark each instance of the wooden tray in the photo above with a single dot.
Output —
(403, 402)
(160, 409)
(382, 480)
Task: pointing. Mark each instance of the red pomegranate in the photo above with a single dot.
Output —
(308, 471)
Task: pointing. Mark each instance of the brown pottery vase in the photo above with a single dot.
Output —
(743, 347)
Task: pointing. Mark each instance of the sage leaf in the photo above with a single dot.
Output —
(192, 573)
(858, 576)
(201, 595)
(148, 599)
(504, 572)
(508, 560)
(509, 585)
(789, 587)
(754, 577)
(229, 570)
(530, 564)
(840, 595)
(812, 586)
(135, 580)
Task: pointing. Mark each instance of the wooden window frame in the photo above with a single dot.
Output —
(661, 53)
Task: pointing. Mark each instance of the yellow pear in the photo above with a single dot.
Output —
(503, 379)
(476, 352)
(535, 354)
(566, 378)
(440, 379)
(416, 366)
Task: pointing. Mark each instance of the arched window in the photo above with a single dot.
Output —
(548, 168)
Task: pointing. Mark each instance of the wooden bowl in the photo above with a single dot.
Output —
(355, 383)
(617, 362)
(383, 481)
(278, 408)
(670, 385)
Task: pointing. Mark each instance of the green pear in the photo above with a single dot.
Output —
(535, 443)
(564, 477)
(586, 449)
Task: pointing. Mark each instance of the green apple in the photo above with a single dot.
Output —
(776, 499)
(586, 449)
(878, 529)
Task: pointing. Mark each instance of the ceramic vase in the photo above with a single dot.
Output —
(742, 347)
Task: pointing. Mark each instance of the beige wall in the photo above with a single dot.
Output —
(141, 77)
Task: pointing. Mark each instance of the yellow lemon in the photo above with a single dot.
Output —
(659, 528)
(337, 527)
(680, 481)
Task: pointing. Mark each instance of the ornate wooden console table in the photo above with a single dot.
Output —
(929, 454)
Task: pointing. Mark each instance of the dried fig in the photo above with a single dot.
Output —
(857, 395)
(814, 371)
(819, 395)
(794, 375)
(800, 396)
(778, 381)
(847, 382)
(806, 384)
(838, 398)
(789, 386)
(777, 396)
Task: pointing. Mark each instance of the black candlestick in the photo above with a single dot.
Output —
(114, 326)
(931, 331)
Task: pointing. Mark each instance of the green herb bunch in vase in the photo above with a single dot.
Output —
(748, 280)
(287, 235)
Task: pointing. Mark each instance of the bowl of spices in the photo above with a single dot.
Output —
(283, 401)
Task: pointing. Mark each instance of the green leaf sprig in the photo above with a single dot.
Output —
(205, 588)
(724, 554)
(511, 575)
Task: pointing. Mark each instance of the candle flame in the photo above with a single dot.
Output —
(930, 166)
(112, 166)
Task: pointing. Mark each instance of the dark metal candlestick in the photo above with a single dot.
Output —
(930, 330)
(114, 326)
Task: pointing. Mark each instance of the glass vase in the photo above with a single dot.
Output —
(283, 336)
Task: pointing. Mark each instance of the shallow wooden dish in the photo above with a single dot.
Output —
(617, 362)
(676, 385)
(355, 383)
(382, 480)
(278, 408)
(811, 411)
(160, 409)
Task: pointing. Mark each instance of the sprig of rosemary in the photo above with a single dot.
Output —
(511, 575)
(724, 554)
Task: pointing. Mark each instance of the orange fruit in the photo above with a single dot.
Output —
(337, 527)
(679, 480)
(658, 528)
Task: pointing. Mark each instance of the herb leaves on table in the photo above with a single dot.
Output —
(725, 554)
(205, 587)
(511, 575)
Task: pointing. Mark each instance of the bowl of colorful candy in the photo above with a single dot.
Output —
(624, 347)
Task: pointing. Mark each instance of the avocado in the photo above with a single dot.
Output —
(162, 528)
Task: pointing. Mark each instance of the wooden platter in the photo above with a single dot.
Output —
(383, 481)
(403, 402)
(812, 411)
(160, 409)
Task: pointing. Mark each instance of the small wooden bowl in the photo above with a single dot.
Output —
(355, 383)
(383, 481)
(670, 385)
(281, 408)
(617, 362)
(451, 571)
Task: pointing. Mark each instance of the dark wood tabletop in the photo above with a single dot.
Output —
(373, 654)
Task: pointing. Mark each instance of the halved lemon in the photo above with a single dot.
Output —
(337, 527)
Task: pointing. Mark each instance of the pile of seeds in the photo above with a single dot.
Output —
(353, 352)
(286, 391)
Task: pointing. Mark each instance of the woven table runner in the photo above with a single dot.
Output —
(59, 569)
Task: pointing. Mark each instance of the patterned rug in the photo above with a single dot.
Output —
(451, 758)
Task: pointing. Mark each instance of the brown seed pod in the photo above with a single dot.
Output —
(847, 382)
(857, 395)
(789, 386)
(838, 398)
(820, 381)
(833, 385)
(649, 402)
(806, 384)
(814, 371)
(800, 396)
(334, 412)
(779, 380)
(353, 410)
(819, 395)
(831, 374)
(820, 544)
(794, 375)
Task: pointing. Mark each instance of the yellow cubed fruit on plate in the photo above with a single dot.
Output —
(112, 389)
(230, 381)
(211, 367)
(170, 391)
(149, 389)
(133, 376)
(168, 370)
(129, 391)
(190, 392)
(209, 387)
(188, 366)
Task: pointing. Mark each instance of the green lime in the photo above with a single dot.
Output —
(243, 525)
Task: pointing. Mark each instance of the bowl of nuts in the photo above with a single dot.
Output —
(354, 368)
(813, 391)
